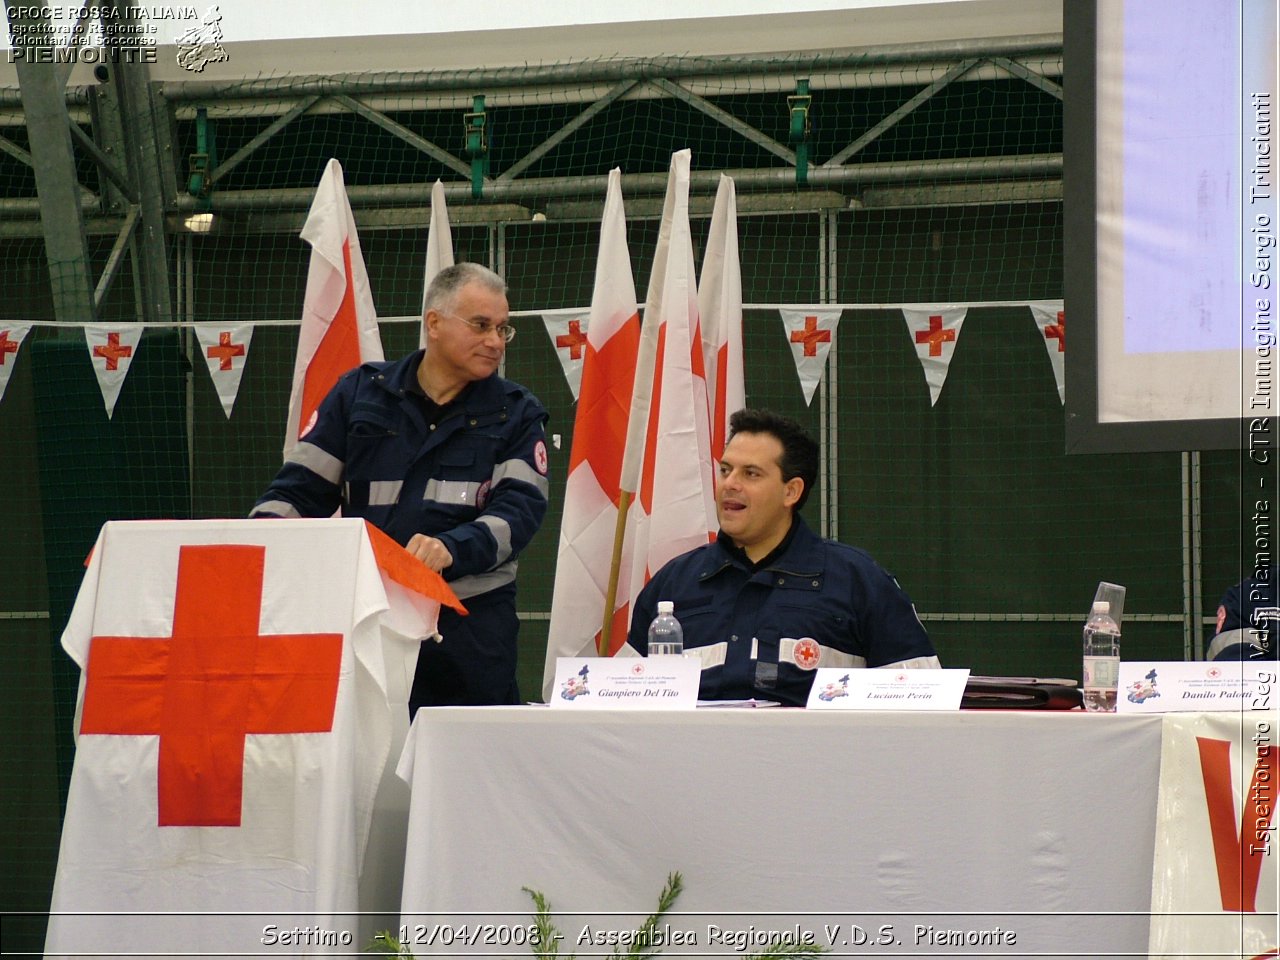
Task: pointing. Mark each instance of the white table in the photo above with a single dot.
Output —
(1039, 824)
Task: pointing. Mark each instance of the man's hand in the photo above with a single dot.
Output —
(430, 551)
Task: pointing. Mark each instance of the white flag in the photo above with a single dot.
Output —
(568, 333)
(225, 350)
(112, 349)
(810, 333)
(668, 457)
(592, 490)
(339, 324)
(1051, 321)
(439, 248)
(935, 331)
(11, 337)
(720, 309)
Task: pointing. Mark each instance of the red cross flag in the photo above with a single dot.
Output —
(1051, 321)
(592, 490)
(439, 249)
(225, 350)
(112, 349)
(720, 311)
(236, 718)
(339, 324)
(11, 337)
(568, 333)
(934, 333)
(810, 332)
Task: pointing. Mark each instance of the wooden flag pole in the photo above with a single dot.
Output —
(615, 565)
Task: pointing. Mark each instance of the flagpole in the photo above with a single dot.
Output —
(615, 566)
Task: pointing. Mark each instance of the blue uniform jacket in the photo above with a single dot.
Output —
(477, 480)
(762, 633)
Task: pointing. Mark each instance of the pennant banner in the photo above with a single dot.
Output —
(111, 350)
(569, 338)
(720, 309)
(1051, 321)
(592, 491)
(935, 331)
(439, 249)
(225, 350)
(1216, 872)
(11, 337)
(339, 324)
(810, 333)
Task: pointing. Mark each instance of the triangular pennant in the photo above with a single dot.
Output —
(11, 337)
(935, 331)
(1051, 321)
(111, 350)
(439, 250)
(810, 333)
(568, 335)
(225, 350)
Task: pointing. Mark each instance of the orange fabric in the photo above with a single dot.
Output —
(1238, 856)
(338, 352)
(604, 404)
(215, 680)
(402, 567)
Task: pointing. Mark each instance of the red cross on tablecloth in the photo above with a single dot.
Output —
(935, 336)
(225, 351)
(1058, 331)
(113, 351)
(213, 681)
(575, 340)
(810, 336)
(7, 346)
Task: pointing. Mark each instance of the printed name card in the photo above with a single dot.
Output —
(626, 683)
(1202, 686)
(836, 688)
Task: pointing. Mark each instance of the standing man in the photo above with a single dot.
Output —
(451, 461)
(768, 601)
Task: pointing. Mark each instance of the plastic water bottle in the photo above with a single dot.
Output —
(666, 636)
(1101, 659)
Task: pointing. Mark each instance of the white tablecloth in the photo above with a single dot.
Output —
(952, 830)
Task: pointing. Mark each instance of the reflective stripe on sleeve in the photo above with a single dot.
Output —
(479, 583)
(517, 469)
(276, 508)
(322, 464)
(712, 655)
(501, 531)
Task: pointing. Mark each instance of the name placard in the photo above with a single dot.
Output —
(626, 683)
(1202, 686)
(837, 688)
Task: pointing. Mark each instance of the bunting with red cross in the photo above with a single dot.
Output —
(810, 331)
(111, 350)
(935, 331)
(1051, 322)
(225, 350)
(11, 337)
(568, 333)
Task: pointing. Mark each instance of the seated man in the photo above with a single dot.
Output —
(1247, 619)
(769, 601)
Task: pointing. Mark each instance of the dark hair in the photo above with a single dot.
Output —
(443, 290)
(799, 449)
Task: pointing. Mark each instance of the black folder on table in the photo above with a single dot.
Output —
(1020, 693)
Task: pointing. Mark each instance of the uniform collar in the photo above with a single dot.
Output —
(795, 551)
(477, 397)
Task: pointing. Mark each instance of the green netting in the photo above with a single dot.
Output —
(998, 535)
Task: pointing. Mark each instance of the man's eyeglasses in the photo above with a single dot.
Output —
(485, 327)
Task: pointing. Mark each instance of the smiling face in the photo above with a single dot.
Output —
(753, 502)
(456, 353)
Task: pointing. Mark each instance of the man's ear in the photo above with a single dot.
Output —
(430, 322)
(791, 491)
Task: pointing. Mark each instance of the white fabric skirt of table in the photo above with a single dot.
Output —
(972, 833)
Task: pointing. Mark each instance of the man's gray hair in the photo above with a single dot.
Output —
(442, 293)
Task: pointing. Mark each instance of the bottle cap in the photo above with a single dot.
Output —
(666, 607)
(1100, 608)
